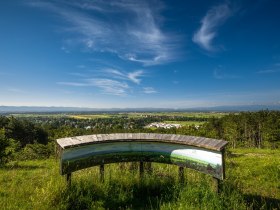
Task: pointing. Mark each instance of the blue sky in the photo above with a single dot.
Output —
(165, 54)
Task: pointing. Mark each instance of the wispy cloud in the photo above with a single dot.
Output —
(107, 86)
(273, 68)
(109, 80)
(77, 74)
(112, 87)
(268, 71)
(16, 90)
(149, 90)
(219, 74)
(131, 76)
(81, 66)
(74, 84)
(214, 18)
(130, 29)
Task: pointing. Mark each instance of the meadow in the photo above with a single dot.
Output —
(252, 183)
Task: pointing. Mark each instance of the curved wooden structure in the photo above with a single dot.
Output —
(203, 154)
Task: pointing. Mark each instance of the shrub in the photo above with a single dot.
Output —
(35, 151)
(4, 143)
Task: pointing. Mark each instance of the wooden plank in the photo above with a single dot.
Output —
(141, 169)
(68, 179)
(101, 172)
(207, 143)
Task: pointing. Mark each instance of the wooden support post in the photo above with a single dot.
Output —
(149, 167)
(217, 185)
(141, 168)
(101, 172)
(68, 179)
(224, 164)
(181, 174)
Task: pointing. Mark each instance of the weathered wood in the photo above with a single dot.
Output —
(68, 179)
(217, 185)
(224, 163)
(101, 172)
(141, 169)
(181, 174)
(207, 143)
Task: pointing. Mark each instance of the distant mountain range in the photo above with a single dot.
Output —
(38, 109)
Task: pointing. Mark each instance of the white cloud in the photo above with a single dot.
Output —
(131, 76)
(268, 71)
(214, 18)
(75, 84)
(219, 74)
(134, 76)
(130, 29)
(110, 81)
(81, 66)
(16, 90)
(108, 86)
(77, 74)
(149, 90)
(112, 87)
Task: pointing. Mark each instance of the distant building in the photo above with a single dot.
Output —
(163, 125)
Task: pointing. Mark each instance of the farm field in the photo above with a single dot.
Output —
(124, 114)
(129, 114)
(252, 183)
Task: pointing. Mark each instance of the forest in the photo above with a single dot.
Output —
(34, 136)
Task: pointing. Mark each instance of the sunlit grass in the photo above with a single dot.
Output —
(252, 182)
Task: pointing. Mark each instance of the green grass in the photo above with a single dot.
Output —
(129, 114)
(252, 183)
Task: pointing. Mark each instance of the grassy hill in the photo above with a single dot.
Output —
(252, 183)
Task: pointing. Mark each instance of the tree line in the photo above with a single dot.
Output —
(35, 136)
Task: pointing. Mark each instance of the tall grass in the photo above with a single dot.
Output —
(38, 185)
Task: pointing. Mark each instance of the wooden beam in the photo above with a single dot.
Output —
(101, 172)
(68, 179)
(224, 163)
(141, 169)
(181, 174)
(217, 185)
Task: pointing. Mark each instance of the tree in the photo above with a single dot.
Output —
(4, 143)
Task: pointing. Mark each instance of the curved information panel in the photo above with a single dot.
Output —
(200, 159)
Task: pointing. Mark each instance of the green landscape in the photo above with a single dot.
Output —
(30, 179)
(139, 104)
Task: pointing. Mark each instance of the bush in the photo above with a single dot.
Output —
(35, 151)
(4, 143)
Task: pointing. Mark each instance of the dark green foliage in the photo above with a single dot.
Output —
(4, 143)
(25, 132)
(247, 129)
(35, 151)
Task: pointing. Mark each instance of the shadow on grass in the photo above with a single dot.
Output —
(20, 167)
(118, 195)
(260, 202)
